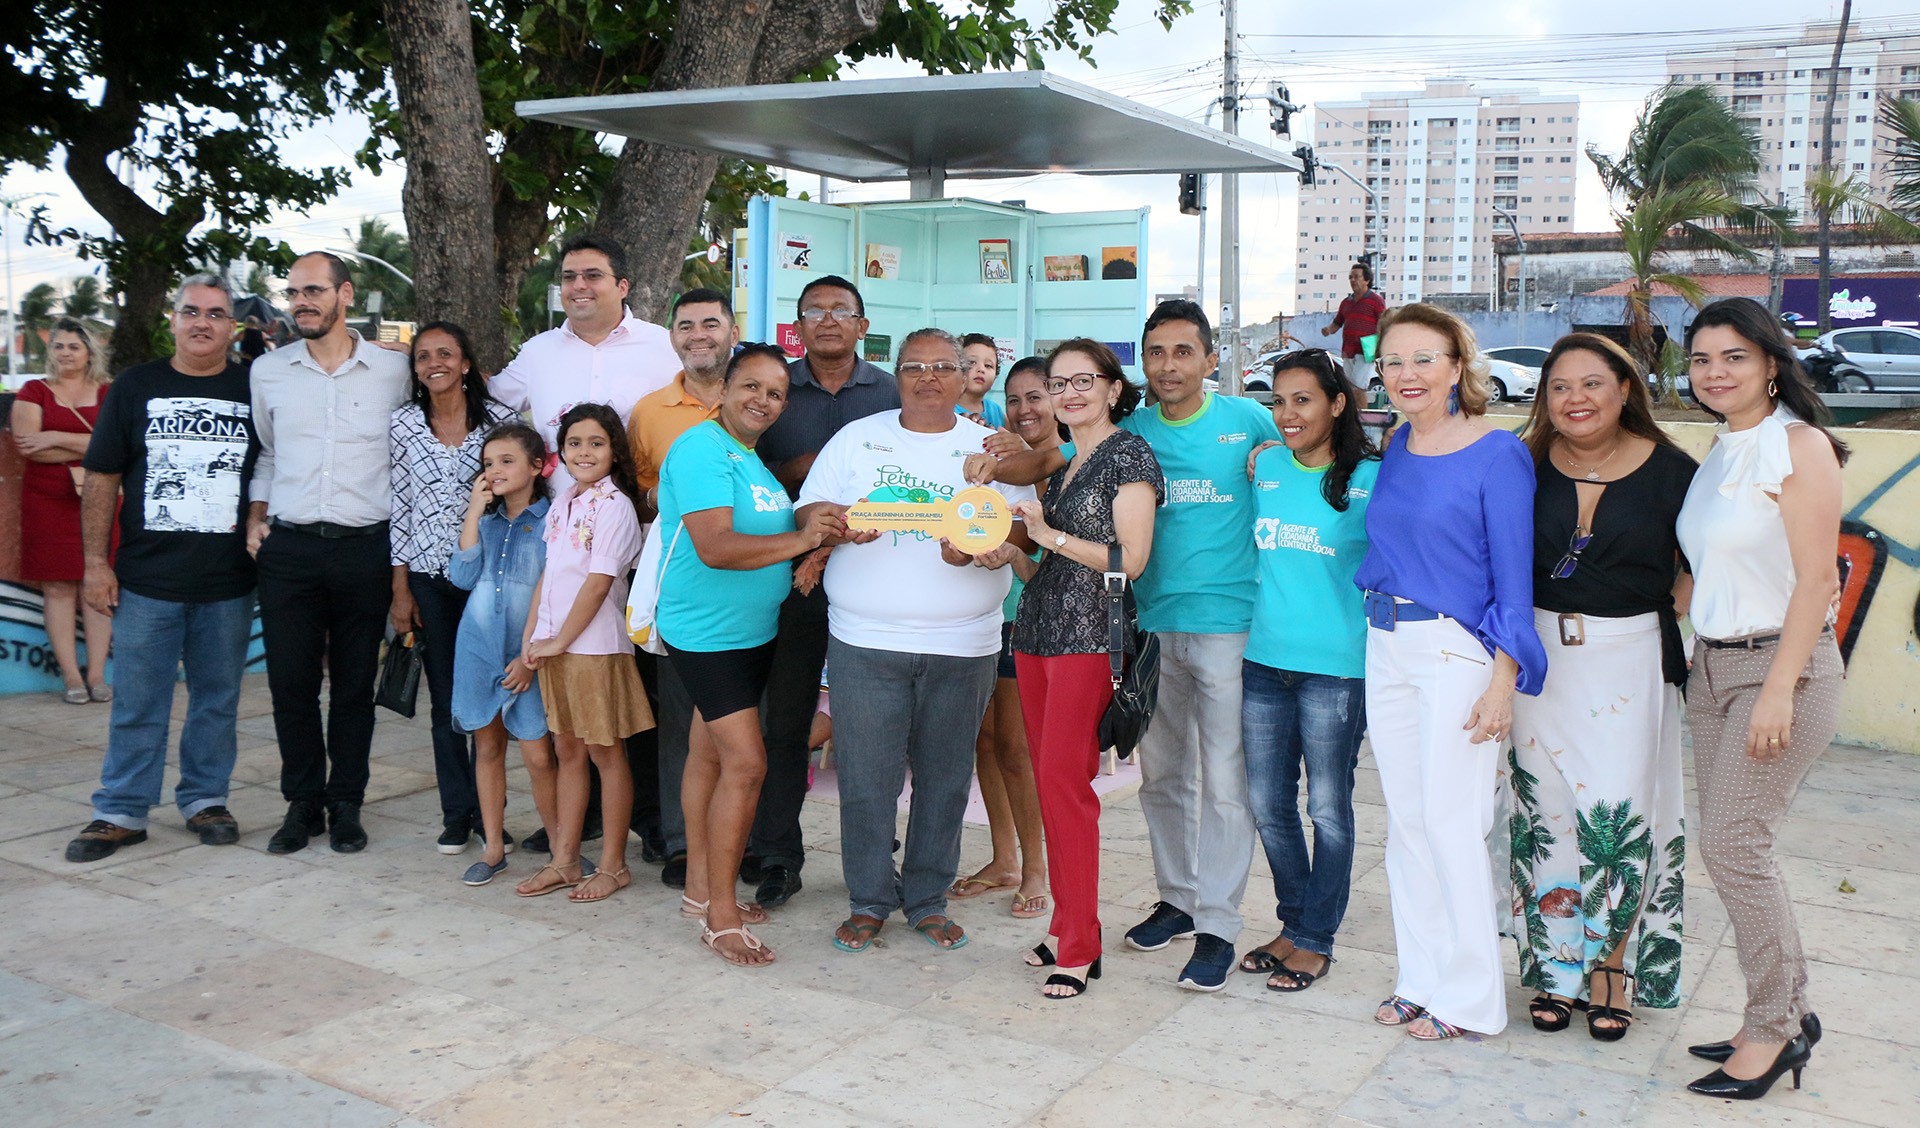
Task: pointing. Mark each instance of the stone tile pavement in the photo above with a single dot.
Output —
(176, 984)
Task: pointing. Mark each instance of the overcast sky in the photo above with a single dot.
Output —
(1610, 55)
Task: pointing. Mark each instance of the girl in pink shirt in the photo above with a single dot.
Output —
(576, 638)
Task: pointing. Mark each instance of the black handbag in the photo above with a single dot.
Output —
(399, 685)
(1136, 680)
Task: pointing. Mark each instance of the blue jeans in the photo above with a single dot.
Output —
(1286, 718)
(892, 710)
(151, 640)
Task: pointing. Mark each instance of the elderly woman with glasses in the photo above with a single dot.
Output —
(1450, 637)
(1598, 844)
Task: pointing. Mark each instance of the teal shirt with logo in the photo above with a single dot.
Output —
(1200, 579)
(707, 609)
(1309, 618)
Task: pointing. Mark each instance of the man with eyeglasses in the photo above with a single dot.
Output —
(601, 353)
(914, 646)
(177, 436)
(317, 528)
(828, 388)
(1358, 318)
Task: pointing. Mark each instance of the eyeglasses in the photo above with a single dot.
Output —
(590, 277)
(1576, 546)
(837, 313)
(1081, 381)
(195, 313)
(311, 293)
(1423, 362)
(913, 369)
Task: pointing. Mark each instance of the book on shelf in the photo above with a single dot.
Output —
(1119, 262)
(882, 261)
(1066, 268)
(796, 252)
(996, 260)
(877, 348)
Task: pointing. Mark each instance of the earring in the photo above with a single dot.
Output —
(1453, 400)
(1772, 390)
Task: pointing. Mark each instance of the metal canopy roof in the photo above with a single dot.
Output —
(922, 129)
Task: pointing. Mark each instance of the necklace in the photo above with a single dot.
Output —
(1593, 471)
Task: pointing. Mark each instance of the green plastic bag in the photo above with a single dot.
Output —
(1367, 344)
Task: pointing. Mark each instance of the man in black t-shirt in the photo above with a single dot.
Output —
(177, 437)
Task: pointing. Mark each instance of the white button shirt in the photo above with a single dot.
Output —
(557, 370)
(323, 435)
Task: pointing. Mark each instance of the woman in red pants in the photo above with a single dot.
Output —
(1106, 495)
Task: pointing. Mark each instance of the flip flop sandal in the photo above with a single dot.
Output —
(1027, 908)
(863, 936)
(927, 930)
(1404, 1011)
(1441, 1031)
(621, 880)
(750, 912)
(963, 890)
(712, 940)
(564, 882)
(1262, 960)
(1286, 980)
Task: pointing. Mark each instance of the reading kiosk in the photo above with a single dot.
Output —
(1025, 277)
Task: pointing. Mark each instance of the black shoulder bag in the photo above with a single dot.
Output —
(1136, 681)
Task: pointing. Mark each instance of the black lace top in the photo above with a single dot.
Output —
(1063, 610)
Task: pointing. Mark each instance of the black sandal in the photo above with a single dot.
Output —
(1079, 985)
(1561, 1010)
(1295, 979)
(1261, 960)
(1043, 954)
(1597, 1013)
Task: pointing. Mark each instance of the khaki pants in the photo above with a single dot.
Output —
(1742, 801)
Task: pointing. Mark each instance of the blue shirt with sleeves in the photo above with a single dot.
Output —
(710, 609)
(1454, 533)
(501, 571)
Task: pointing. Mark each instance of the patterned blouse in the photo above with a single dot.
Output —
(431, 484)
(1064, 609)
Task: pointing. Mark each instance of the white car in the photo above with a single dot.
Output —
(1888, 354)
(1510, 381)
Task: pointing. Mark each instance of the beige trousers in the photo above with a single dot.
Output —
(1742, 801)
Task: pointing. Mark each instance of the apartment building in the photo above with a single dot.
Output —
(1779, 90)
(1441, 169)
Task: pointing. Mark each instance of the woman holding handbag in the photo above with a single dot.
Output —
(52, 423)
(731, 536)
(1103, 499)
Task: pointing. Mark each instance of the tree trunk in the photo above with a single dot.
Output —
(1825, 208)
(448, 195)
(653, 203)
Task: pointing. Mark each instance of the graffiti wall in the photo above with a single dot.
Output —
(26, 661)
(1880, 599)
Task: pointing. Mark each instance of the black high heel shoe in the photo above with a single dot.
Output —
(1042, 956)
(1079, 985)
(1792, 1058)
(1721, 1051)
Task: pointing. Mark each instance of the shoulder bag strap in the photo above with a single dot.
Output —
(1114, 579)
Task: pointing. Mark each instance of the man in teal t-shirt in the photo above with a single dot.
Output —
(1197, 594)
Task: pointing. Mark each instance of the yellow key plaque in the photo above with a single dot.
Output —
(976, 520)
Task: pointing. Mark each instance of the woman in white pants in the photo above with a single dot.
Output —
(1449, 594)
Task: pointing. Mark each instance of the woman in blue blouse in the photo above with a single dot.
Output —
(1303, 697)
(435, 439)
(495, 695)
(726, 568)
(1449, 602)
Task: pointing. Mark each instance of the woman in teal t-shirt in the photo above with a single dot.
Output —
(723, 575)
(1304, 694)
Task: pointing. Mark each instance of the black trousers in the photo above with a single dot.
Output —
(643, 760)
(793, 693)
(441, 604)
(674, 714)
(323, 607)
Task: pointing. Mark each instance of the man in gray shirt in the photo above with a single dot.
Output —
(317, 527)
(830, 387)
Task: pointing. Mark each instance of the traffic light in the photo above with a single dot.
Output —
(1308, 164)
(1192, 193)
(1282, 107)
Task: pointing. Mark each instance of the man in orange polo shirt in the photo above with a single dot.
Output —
(702, 331)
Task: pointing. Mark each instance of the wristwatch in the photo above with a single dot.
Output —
(1059, 542)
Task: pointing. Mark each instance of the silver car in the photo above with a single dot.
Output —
(1888, 354)
(1510, 381)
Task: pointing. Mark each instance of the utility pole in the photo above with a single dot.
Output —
(1229, 343)
(1828, 168)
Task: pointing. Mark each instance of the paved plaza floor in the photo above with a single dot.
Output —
(176, 984)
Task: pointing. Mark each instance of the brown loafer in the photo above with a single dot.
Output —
(215, 826)
(100, 839)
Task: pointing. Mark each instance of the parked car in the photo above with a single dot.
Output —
(1527, 356)
(1510, 381)
(1889, 355)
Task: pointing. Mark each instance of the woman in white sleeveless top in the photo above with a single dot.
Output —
(1761, 529)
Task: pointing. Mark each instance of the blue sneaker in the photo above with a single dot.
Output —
(481, 872)
(1162, 927)
(1212, 960)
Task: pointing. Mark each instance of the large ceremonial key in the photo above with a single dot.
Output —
(976, 520)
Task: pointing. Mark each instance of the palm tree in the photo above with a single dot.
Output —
(36, 317)
(377, 239)
(1617, 844)
(83, 300)
(1901, 117)
(1687, 174)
